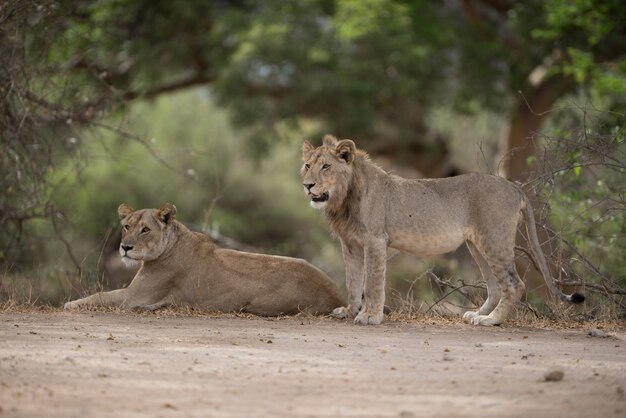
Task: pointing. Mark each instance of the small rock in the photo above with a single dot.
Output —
(110, 338)
(554, 375)
(478, 345)
(598, 333)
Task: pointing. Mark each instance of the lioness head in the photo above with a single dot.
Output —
(327, 171)
(146, 233)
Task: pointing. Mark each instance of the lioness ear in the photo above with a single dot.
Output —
(124, 210)
(345, 150)
(166, 213)
(329, 140)
(307, 148)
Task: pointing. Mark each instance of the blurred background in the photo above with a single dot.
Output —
(205, 104)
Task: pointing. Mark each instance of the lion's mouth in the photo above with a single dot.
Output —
(321, 198)
(129, 261)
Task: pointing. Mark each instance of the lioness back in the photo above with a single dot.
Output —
(280, 285)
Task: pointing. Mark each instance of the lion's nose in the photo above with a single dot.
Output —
(126, 248)
(309, 186)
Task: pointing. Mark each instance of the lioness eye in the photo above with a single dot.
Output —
(307, 166)
(325, 166)
(127, 227)
(145, 229)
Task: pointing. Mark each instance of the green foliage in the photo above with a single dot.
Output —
(366, 69)
(352, 68)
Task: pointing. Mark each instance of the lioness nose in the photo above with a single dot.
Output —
(126, 248)
(309, 185)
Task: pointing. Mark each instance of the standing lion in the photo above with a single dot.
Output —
(182, 267)
(371, 210)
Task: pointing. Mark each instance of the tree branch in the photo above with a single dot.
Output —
(166, 88)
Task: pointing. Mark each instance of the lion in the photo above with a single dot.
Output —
(183, 267)
(370, 210)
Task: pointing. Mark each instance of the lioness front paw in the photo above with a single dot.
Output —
(469, 315)
(485, 320)
(365, 317)
(341, 312)
(70, 305)
(344, 312)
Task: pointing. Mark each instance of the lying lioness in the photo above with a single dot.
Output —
(182, 267)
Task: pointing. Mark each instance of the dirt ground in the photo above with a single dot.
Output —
(99, 364)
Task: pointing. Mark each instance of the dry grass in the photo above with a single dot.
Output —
(520, 319)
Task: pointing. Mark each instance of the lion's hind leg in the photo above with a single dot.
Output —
(493, 286)
(512, 289)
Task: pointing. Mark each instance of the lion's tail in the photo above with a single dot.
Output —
(540, 261)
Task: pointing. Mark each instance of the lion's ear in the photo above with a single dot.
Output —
(124, 210)
(307, 149)
(166, 213)
(329, 140)
(345, 150)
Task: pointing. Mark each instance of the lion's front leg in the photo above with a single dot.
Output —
(112, 298)
(353, 262)
(375, 263)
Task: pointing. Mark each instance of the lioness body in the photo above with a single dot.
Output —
(371, 210)
(182, 267)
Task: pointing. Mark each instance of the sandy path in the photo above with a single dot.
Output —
(125, 365)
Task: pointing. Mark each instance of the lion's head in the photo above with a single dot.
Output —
(146, 233)
(327, 171)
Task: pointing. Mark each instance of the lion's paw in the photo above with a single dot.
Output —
(70, 305)
(342, 312)
(485, 320)
(469, 315)
(366, 318)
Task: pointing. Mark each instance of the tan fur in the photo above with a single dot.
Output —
(182, 267)
(371, 210)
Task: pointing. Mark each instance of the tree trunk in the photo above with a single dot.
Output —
(530, 110)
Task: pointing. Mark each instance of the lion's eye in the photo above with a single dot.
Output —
(127, 227)
(145, 229)
(325, 166)
(307, 166)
